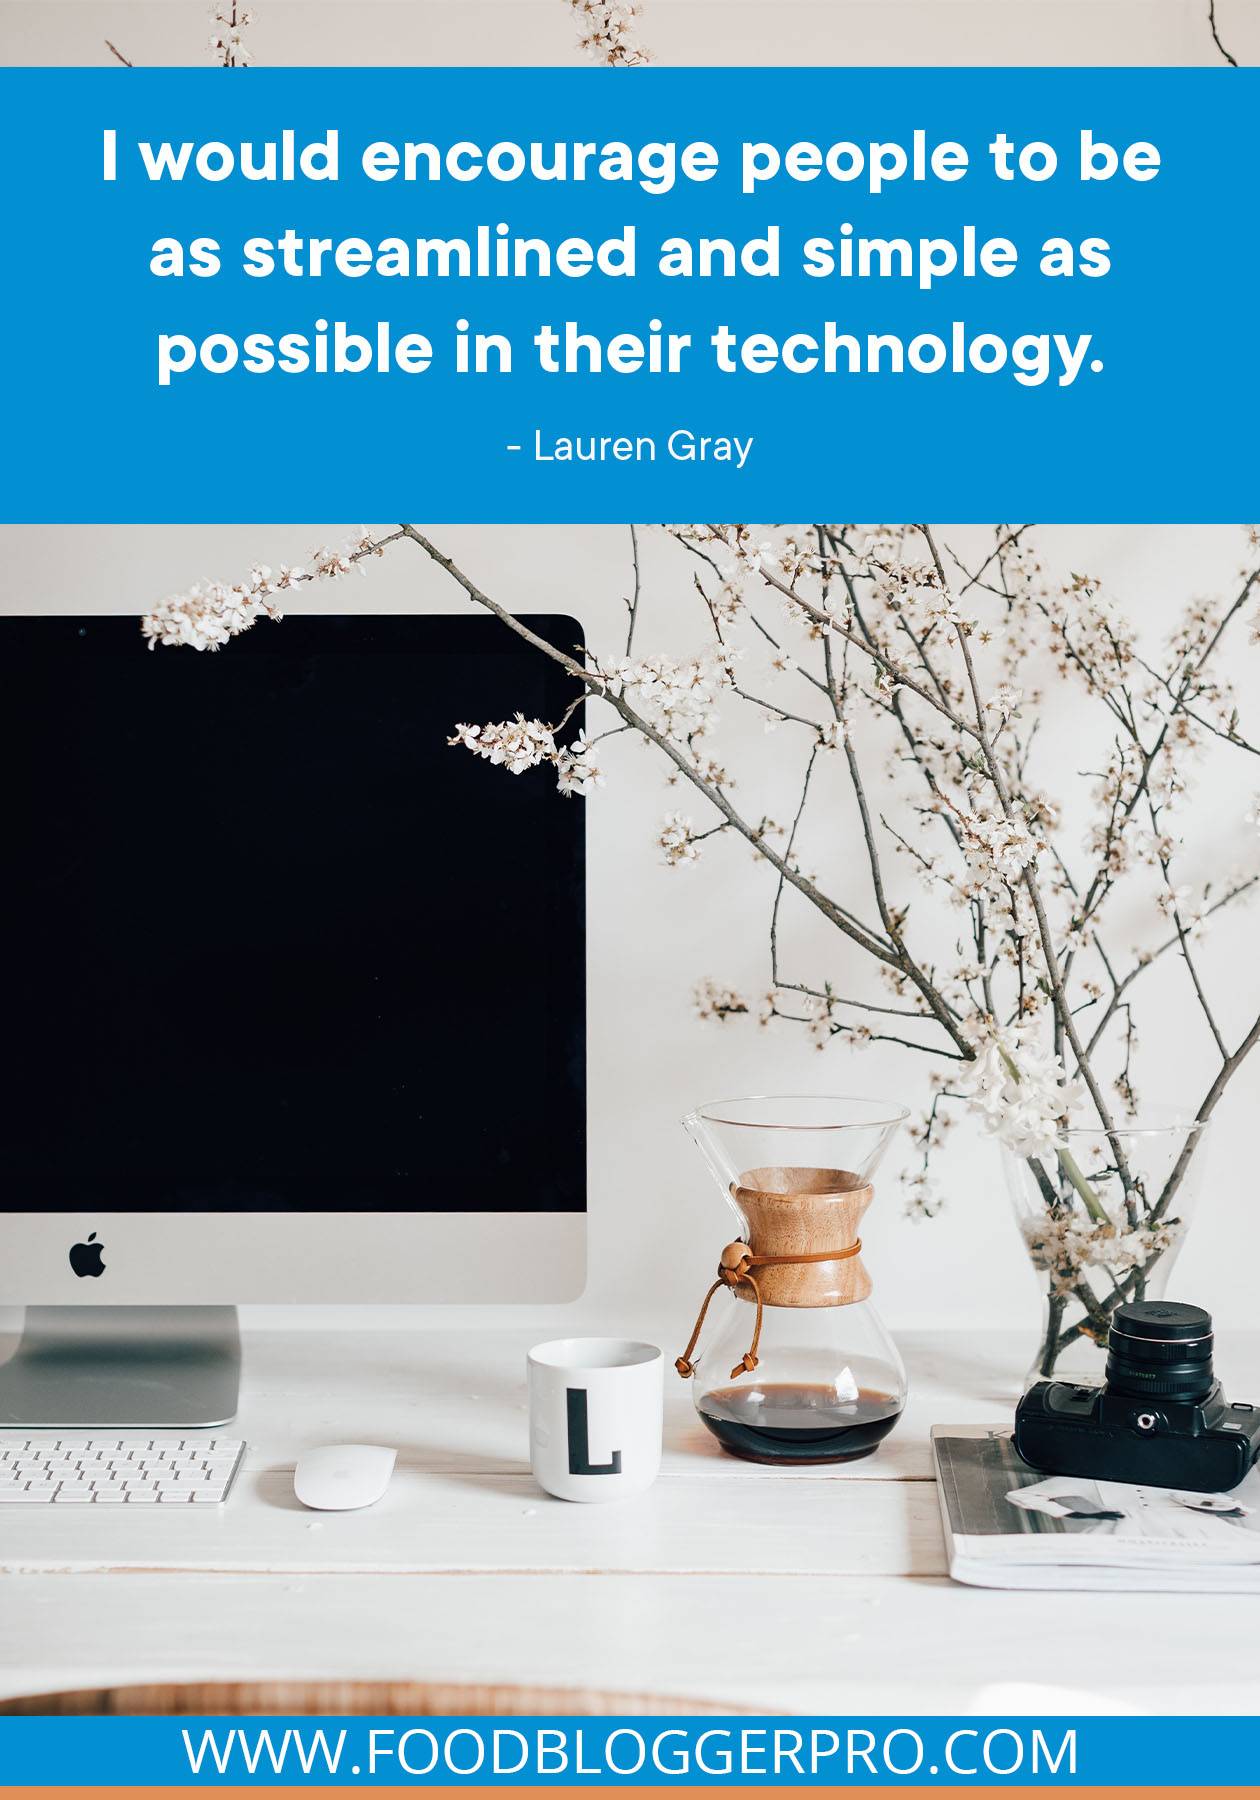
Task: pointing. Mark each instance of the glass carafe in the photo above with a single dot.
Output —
(794, 1364)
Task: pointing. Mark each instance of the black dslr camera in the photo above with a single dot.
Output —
(1160, 1419)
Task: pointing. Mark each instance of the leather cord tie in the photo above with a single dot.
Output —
(735, 1267)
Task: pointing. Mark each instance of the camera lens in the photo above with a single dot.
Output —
(1160, 1347)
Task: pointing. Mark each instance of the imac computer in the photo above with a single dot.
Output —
(293, 995)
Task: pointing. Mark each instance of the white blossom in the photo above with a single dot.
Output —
(923, 1198)
(608, 31)
(1018, 1087)
(835, 734)
(520, 743)
(998, 846)
(819, 1020)
(717, 1000)
(677, 840)
(1068, 1243)
(227, 40)
(578, 769)
(208, 614)
(516, 744)
(677, 696)
(1004, 700)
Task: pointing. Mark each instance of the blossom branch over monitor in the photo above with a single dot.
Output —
(860, 643)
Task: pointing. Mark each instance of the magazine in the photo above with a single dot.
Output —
(1008, 1525)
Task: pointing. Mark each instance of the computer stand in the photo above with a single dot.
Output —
(124, 1366)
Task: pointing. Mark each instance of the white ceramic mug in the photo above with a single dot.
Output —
(595, 1417)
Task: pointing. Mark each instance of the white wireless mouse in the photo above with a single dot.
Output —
(343, 1477)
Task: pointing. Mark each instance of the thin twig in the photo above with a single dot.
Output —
(633, 602)
(1183, 939)
(1216, 36)
(787, 856)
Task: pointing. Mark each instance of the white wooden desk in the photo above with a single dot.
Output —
(821, 1590)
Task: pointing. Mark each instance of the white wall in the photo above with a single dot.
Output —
(653, 931)
(655, 1217)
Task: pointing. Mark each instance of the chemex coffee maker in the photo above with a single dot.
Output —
(799, 1368)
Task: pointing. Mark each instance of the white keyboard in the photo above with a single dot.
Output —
(125, 1468)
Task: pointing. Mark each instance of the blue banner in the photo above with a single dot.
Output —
(603, 294)
(632, 1752)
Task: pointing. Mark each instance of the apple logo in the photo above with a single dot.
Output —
(85, 1259)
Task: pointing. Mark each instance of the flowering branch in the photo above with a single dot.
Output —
(211, 613)
(877, 644)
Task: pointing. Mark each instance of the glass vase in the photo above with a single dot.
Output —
(1103, 1220)
(794, 1364)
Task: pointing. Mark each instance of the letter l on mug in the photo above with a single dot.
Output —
(579, 1439)
(595, 1417)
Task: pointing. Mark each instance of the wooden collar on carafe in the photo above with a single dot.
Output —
(810, 1222)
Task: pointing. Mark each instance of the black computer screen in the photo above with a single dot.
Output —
(269, 943)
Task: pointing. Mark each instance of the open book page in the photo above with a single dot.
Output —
(1006, 1523)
